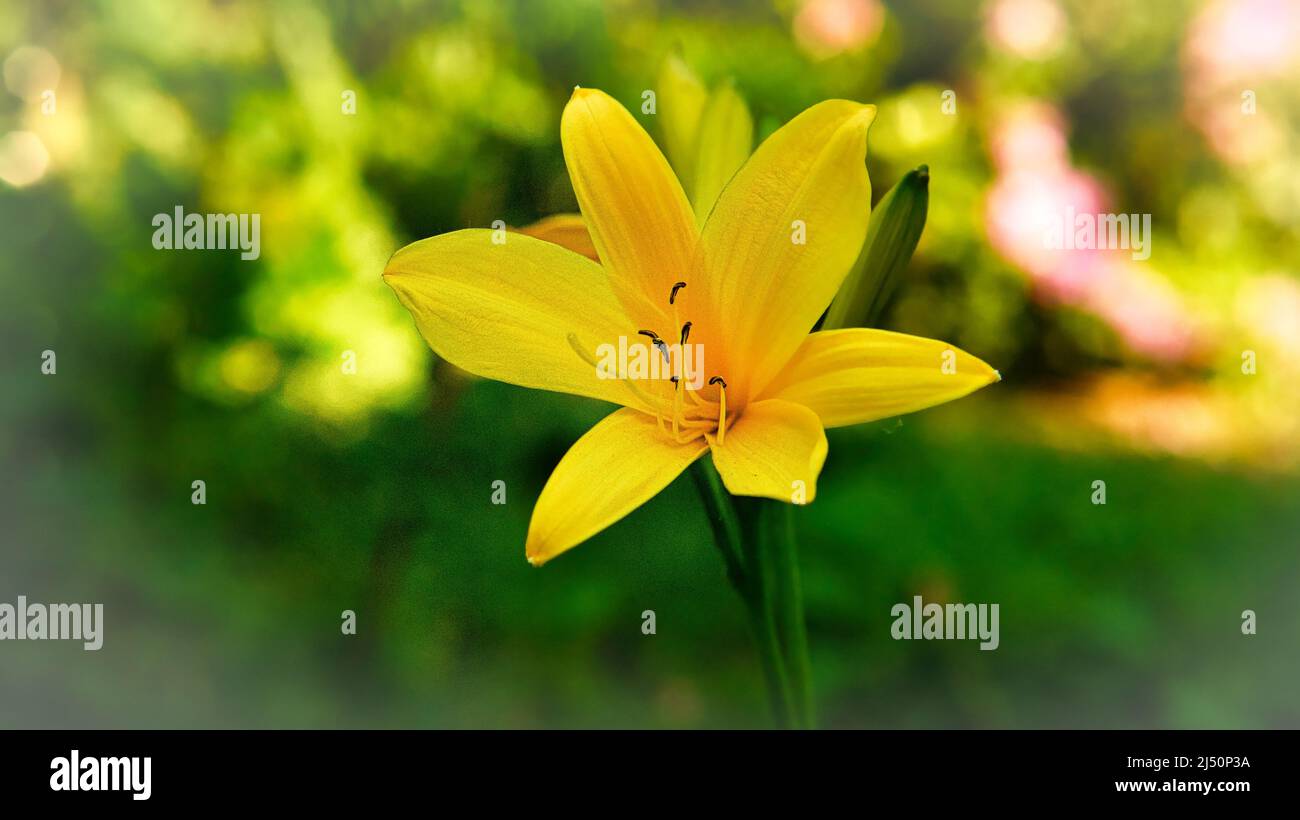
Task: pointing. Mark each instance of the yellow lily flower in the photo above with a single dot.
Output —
(757, 275)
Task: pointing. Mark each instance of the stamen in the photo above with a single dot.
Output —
(672, 300)
(683, 352)
(657, 342)
(722, 407)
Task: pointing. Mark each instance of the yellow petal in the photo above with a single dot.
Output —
(726, 137)
(775, 449)
(506, 311)
(679, 102)
(855, 375)
(638, 216)
(565, 230)
(617, 466)
(783, 234)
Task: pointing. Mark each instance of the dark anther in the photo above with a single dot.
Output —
(676, 287)
(686, 332)
(650, 333)
(674, 380)
(718, 380)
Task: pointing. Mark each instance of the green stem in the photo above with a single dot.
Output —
(723, 520)
(751, 576)
(787, 604)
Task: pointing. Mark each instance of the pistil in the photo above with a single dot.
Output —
(722, 407)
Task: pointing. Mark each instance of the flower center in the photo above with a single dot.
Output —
(691, 413)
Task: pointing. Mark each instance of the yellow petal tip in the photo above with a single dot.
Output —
(865, 115)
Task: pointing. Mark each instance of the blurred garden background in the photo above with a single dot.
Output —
(331, 491)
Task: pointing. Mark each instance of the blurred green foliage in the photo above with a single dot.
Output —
(371, 492)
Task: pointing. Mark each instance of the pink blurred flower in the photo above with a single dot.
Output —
(1032, 29)
(1031, 136)
(1235, 40)
(1019, 205)
(1036, 184)
(824, 28)
(1145, 310)
(1233, 50)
